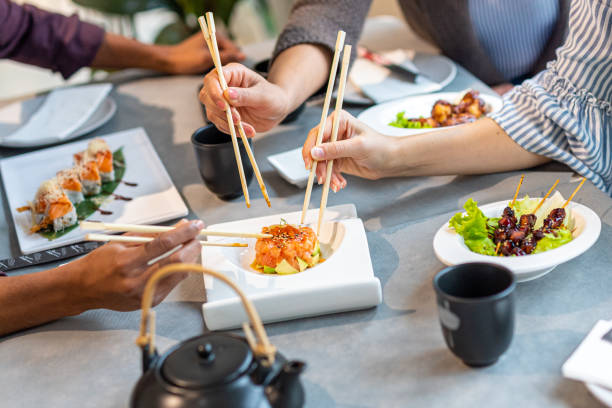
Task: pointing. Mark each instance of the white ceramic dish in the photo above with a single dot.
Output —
(604, 395)
(451, 250)
(344, 281)
(155, 199)
(17, 115)
(379, 116)
(290, 166)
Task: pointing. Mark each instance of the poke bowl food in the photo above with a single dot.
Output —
(77, 192)
(291, 249)
(445, 113)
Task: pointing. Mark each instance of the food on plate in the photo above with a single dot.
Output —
(519, 230)
(99, 156)
(51, 208)
(291, 249)
(445, 113)
(76, 193)
(71, 184)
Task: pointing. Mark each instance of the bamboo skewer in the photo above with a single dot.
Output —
(497, 248)
(208, 26)
(133, 239)
(153, 229)
(211, 41)
(326, 103)
(518, 188)
(346, 57)
(574, 193)
(546, 196)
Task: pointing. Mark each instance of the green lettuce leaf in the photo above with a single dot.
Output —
(474, 227)
(553, 240)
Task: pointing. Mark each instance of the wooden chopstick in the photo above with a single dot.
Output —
(130, 238)
(326, 103)
(152, 229)
(346, 58)
(211, 41)
(214, 51)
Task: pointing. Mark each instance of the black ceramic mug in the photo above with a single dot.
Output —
(217, 162)
(476, 310)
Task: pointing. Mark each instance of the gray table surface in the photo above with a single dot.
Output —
(389, 356)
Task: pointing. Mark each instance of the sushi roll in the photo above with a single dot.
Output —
(90, 178)
(98, 151)
(71, 184)
(52, 208)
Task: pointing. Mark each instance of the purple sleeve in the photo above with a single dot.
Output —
(49, 40)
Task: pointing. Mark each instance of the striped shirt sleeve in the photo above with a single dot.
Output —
(565, 112)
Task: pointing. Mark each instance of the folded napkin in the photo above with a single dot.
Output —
(592, 360)
(381, 85)
(61, 113)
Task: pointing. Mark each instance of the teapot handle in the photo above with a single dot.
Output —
(261, 345)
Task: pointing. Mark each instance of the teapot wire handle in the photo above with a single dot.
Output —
(260, 344)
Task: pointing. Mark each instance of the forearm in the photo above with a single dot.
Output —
(476, 148)
(117, 52)
(37, 298)
(301, 71)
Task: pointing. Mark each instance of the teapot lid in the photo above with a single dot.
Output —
(207, 361)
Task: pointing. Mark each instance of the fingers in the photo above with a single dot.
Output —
(311, 139)
(335, 150)
(171, 239)
(246, 97)
(346, 130)
(189, 253)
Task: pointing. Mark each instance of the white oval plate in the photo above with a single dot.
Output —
(451, 250)
(379, 116)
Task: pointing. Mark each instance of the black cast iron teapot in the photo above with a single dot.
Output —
(214, 370)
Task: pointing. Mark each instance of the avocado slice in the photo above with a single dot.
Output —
(303, 264)
(268, 269)
(315, 258)
(285, 268)
(317, 250)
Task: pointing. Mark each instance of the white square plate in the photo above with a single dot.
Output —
(155, 199)
(344, 281)
(290, 166)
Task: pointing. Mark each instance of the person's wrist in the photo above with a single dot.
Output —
(396, 157)
(78, 297)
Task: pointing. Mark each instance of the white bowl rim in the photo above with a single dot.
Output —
(450, 249)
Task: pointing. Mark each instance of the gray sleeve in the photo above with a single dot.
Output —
(318, 22)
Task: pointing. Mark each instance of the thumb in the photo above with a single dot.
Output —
(245, 97)
(335, 150)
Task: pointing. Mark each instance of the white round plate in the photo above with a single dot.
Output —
(379, 116)
(604, 395)
(451, 250)
(103, 114)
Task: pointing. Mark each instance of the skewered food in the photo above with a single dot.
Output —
(519, 230)
(444, 113)
(291, 249)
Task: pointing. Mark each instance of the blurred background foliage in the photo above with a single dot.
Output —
(186, 12)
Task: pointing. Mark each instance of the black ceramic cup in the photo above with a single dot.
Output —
(217, 162)
(476, 310)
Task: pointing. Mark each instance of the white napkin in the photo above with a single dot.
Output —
(62, 112)
(381, 85)
(592, 360)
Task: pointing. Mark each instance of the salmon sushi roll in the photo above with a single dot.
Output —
(70, 182)
(98, 151)
(90, 178)
(52, 208)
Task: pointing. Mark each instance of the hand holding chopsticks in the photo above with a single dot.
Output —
(209, 32)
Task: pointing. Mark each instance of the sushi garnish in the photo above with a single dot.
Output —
(90, 178)
(99, 152)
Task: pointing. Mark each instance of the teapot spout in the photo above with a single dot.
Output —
(287, 391)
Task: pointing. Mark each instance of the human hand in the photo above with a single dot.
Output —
(359, 151)
(502, 88)
(114, 276)
(259, 104)
(192, 56)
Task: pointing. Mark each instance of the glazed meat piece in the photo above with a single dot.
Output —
(441, 111)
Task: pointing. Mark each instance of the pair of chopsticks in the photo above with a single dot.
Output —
(208, 30)
(334, 136)
(152, 229)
